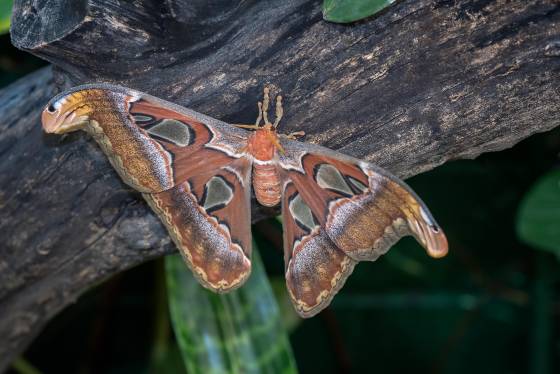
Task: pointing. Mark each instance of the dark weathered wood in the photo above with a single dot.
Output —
(426, 82)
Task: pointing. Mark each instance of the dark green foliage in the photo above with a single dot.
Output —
(538, 223)
(13, 62)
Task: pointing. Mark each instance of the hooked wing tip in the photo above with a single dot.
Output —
(48, 119)
(428, 232)
(436, 242)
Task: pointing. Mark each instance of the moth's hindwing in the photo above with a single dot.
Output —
(208, 217)
(315, 268)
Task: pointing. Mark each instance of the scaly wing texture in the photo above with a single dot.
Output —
(208, 210)
(153, 144)
(315, 268)
(337, 211)
(192, 143)
(208, 218)
(190, 168)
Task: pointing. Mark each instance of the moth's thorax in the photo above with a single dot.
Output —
(261, 144)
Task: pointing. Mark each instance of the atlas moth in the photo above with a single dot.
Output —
(196, 173)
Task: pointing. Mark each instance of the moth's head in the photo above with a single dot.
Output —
(67, 113)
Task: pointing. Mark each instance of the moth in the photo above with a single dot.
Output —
(196, 173)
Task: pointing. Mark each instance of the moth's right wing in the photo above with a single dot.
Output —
(337, 211)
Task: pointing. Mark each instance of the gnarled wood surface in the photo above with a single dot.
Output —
(425, 82)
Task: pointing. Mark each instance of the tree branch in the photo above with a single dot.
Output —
(426, 82)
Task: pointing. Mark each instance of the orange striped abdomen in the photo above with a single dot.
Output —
(266, 183)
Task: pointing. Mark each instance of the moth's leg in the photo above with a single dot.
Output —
(279, 111)
(244, 126)
(276, 142)
(265, 103)
(258, 121)
(293, 135)
(239, 136)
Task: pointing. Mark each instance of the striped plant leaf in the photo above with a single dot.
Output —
(239, 332)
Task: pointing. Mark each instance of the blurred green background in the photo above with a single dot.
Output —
(491, 306)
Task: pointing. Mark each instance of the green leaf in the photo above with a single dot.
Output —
(166, 356)
(288, 315)
(22, 366)
(344, 11)
(239, 332)
(5, 13)
(538, 221)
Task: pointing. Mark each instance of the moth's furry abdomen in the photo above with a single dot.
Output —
(266, 183)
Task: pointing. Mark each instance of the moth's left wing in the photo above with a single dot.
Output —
(208, 218)
(207, 211)
(190, 168)
(337, 211)
(153, 144)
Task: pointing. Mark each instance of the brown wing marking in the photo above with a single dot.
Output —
(225, 194)
(208, 218)
(183, 137)
(367, 221)
(367, 225)
(315, 268)
(318, 197)
(339, 212)
(177, 132)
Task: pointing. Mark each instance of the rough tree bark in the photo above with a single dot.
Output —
(425, 82)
